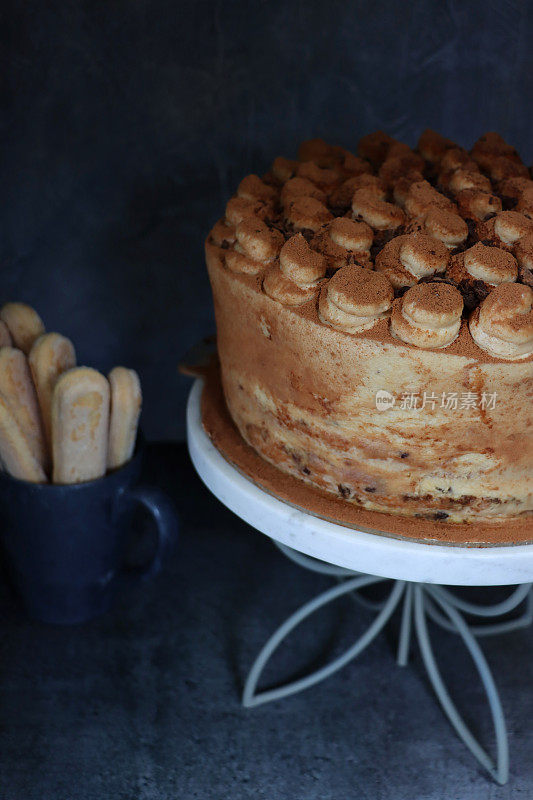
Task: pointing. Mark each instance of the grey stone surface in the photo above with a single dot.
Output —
(143, 704)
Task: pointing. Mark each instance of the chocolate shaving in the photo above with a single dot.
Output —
(426, 279)
(445, 191)
(339, 211)
(473, 291)
(307, 233)
(525, 275)
(270, 179)
(399, 291)
(382, 237)
(508, 203)
(437, 279)
(471, 238)
(282, 226)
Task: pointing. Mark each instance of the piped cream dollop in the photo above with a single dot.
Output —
(503, 323)
(355, 299)
(428, 315)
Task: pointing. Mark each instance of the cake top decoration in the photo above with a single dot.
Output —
(429, 224)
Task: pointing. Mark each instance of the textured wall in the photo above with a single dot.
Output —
(126, 124)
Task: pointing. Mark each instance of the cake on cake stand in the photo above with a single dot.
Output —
(417, 573)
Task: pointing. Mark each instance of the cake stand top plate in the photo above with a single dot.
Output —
(360, 551)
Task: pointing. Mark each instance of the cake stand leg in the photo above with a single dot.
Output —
(314, 564)
(521, 594)
(251, 697)
(499, 770)
(404, 642)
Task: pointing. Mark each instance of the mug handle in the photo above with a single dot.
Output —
(164, 514)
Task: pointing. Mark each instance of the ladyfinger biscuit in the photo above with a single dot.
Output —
(5, 336)
(15, 453)
(17, 389)
(24, 324)
(50, 356)
(80, 425)
(126, 400)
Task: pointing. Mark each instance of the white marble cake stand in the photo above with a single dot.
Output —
(358, 559)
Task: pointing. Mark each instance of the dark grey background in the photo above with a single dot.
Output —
(127, 124)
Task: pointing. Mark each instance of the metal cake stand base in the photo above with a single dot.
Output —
(419, 602)
(357, 559)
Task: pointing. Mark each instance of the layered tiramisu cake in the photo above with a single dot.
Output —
(375, 323)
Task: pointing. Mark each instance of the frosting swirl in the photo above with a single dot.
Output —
(523, 251)
(297, 277)
(377, 213)
(474, 204)
(342, 195)
(222, 233)
(284, 168)
(394, 167)
(422, 196)
(455, 158)
(280, 288)
(354, 165)
(355, 299)
(511, 226)
(525, 201)
(301, 264)
(317, 150)
(406, 259)
(374, 147)
(433, 146)
(489, 147)
(503, 323)
(462, 179)
(300, 187)
(343, 240)
(352, 235)
(447, 226)
(422, 255)
(428, 315)
(253, 188)
(502, 168)
(322, 177)
(490, 264)
(307, 212)
(237, 208)
(513, 188)
(256, 247)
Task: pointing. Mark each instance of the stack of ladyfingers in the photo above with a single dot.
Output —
(60, 422)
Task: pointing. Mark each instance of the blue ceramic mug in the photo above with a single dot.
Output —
(65, 545)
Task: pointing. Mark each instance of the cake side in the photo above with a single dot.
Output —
(304, 396)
